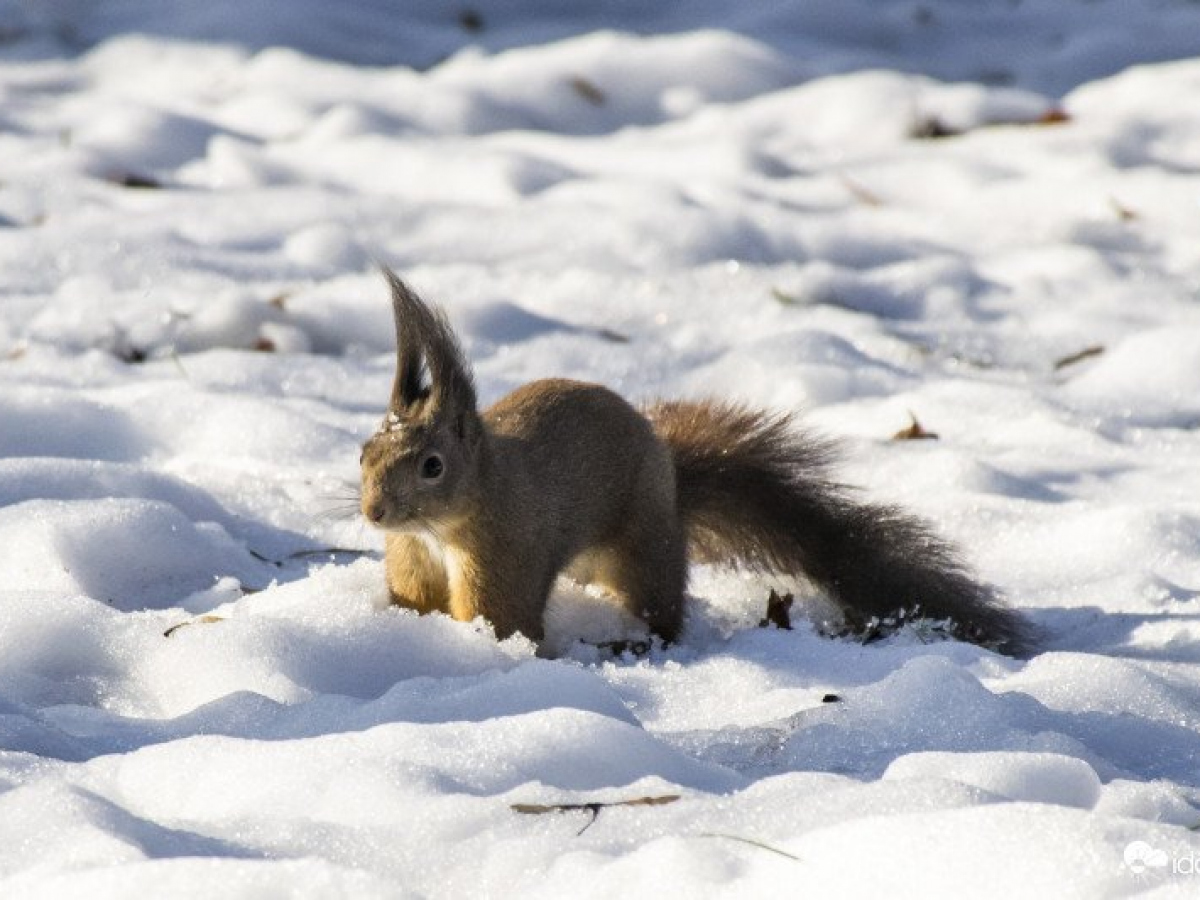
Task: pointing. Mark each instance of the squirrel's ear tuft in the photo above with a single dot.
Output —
(426, 342)
(408, 389)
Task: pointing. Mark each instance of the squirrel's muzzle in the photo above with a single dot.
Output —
(375, 510)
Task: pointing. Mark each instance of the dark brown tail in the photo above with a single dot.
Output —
(756, 491)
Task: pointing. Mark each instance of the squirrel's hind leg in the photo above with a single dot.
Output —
(645, 564)
(650, 578)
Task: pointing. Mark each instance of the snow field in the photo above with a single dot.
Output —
(672, 203)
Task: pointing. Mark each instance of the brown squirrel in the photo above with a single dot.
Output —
(483, 510)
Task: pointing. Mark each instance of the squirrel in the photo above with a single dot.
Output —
(482, 510)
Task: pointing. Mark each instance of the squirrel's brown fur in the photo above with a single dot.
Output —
(484, 510)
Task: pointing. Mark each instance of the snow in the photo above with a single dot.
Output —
(201, 684)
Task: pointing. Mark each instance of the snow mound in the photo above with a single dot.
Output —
(128, 553)
(1021, 777)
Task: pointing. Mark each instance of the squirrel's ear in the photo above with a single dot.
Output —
(425, 340)
(407, 389)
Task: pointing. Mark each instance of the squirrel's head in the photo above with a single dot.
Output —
(418, 468)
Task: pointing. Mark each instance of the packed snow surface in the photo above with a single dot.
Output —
(983, 216)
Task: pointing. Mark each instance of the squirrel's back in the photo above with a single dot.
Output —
(578, 449)
(555, 418)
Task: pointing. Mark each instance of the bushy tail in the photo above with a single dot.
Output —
(756, 491)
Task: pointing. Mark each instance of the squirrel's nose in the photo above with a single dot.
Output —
(374, 510)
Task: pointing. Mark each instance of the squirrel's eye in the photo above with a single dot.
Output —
(432, 467)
